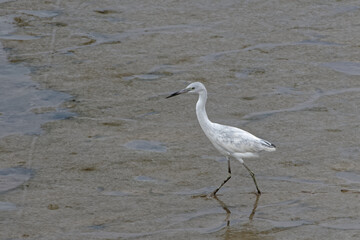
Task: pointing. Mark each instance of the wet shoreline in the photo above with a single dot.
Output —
(131, 164)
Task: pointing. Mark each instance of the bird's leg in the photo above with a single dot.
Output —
(225, 181)
(253, 177)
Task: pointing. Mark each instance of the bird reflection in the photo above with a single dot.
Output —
(254, 207)
(247, 230)
(228, 212)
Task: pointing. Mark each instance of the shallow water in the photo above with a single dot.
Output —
(11, 178)
(133, 165)
(144, 145)
(350, 68)
(24, 105)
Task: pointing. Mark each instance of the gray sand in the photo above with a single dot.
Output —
(130, 163)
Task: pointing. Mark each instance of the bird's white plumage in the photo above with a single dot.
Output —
(236, 142)
(229, 141)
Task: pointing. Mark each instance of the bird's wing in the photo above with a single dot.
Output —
(235, 140)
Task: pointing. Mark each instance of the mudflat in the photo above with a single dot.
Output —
(106, 156)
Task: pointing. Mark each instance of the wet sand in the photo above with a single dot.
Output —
(131, 164)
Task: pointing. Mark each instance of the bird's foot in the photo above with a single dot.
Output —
(211, 195)
(257, 193)
(202, 196)
(206, 196)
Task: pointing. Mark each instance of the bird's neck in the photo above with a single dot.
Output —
(201, 111)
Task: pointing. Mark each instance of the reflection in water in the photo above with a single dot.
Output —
(228, 212)
(254, 207)
(247, 231)
(245, 228)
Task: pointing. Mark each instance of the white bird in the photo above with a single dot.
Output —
(229, 141)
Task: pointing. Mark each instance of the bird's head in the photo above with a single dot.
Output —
(195, 87)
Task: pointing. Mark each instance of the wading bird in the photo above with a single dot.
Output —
(229, 141)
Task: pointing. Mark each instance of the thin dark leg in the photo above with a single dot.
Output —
(225, 181)
(253, 177)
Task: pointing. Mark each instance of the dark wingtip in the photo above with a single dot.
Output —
(268, 144)
(271, 146)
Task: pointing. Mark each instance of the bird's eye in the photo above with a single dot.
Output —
(192, 88)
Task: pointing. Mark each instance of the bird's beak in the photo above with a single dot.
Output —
(185, 90)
